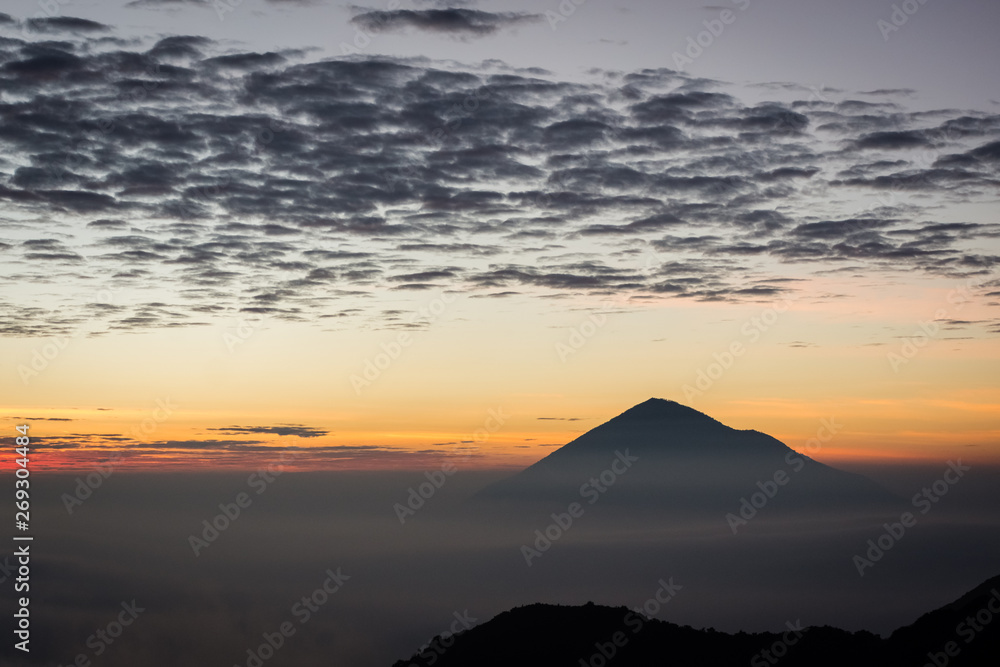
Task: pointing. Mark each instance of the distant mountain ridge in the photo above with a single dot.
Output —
(686, 460)
(545, 635)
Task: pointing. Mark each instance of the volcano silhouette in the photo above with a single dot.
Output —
(681, 459)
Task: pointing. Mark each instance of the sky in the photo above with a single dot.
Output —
(379, 236)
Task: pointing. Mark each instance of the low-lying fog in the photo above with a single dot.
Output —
(395, 585)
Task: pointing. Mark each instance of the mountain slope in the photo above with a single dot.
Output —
(686, 460)
(555, 636)
(962, 624)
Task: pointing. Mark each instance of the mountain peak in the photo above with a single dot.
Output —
(656, 425)
(688, 459)
(661, 415)
(660, 408)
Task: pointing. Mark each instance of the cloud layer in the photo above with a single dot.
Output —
(166, 184)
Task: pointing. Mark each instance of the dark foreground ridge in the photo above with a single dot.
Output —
(965, 633)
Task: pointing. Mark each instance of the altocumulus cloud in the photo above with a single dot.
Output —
(273, 184)
(456, 21)
(282, 430)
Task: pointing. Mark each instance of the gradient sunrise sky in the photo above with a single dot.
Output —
(379, 236)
